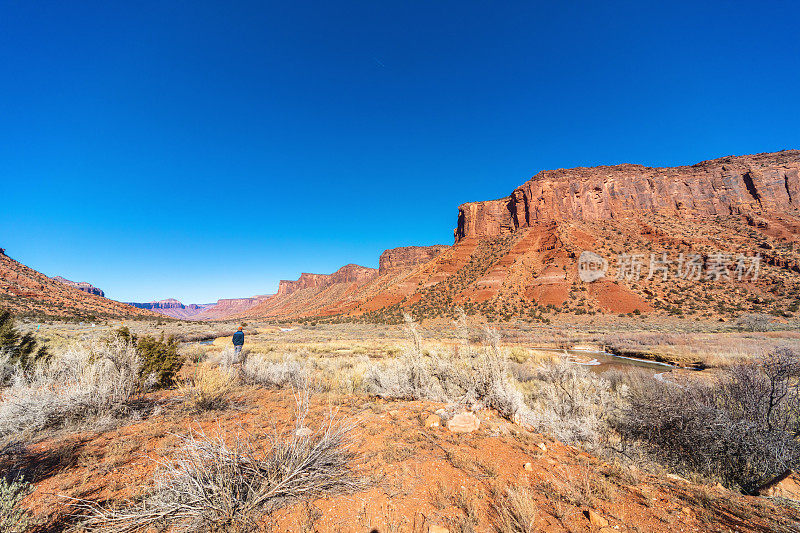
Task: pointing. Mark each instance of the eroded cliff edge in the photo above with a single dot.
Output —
(728, 185)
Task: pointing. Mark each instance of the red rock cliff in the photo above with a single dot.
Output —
(729, 185)
(407, 256)
(347, 274)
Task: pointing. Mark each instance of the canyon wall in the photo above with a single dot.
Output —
(347, 274)
(729, 185)
(396, 259)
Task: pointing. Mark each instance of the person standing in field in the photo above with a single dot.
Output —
(238, 342)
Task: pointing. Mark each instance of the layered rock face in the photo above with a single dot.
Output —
(725, 186)
(80, 285)
(407, 257)
(347, 274)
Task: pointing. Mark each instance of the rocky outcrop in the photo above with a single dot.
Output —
(407, 257)
(347, 274)
(729, 185)
(81, 285)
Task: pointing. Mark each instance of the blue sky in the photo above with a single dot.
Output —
(201, 150)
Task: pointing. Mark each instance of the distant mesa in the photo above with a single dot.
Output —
(347, 274)
(81, 285)
(212, 311)
(169, 303)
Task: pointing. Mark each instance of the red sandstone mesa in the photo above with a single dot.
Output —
(725, 186)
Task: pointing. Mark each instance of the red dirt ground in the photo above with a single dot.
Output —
(417, 476)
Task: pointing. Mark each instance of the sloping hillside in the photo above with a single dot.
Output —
(28, 292)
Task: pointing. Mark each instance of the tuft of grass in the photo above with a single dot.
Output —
(208, 387)
(514, 509)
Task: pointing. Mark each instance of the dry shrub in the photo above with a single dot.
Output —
(571, 403)
(260, 370)
(14, 517)
(227, 357)
(519, 354)
(195, 353)
(742, 429)
(755, 322)
(466, 377)
(89, 379)
(343, 375)
(208, 387)
(231, 484)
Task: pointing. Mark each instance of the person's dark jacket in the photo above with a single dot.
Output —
(238, 338)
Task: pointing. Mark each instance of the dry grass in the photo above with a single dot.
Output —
(514, 509)
(208, 387)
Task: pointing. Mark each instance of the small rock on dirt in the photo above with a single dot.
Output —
(432, 421)
(595, 519)
(464, 423)
(303, 432)
(528, 467)
(542, 446)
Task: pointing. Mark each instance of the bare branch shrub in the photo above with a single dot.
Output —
(755, 322)
(570, 402)
(231, 484)
(742, 429)
(466, 377)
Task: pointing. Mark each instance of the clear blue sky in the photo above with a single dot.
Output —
(201, 150)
